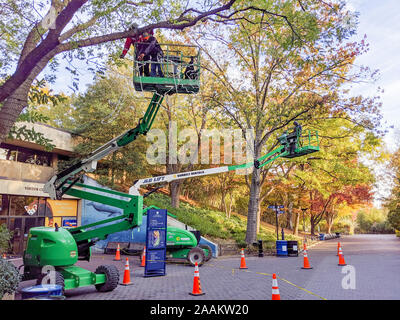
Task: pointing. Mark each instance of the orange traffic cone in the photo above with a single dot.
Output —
(242, 260)
(117, 254)
(338, 246)
(196, 282)
(306, 263)
(143, 264)
(127, 275)
(4, 256)
(341, 258)
(275, 288)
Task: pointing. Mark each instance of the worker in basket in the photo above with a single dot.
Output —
(151, 50)
(131, 41)
(294, 136)
(139, 41)
(190, 72)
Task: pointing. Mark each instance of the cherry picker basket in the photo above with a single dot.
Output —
(307, 142)
(180, 66)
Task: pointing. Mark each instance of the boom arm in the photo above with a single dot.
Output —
(134, 190)
(131, 204)
(87, 235)
(54, 187)
(269, 157)
(260, 162)
(301, 146)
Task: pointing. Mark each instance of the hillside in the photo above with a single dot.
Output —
(214, 224)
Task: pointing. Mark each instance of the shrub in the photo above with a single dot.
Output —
(375, 221)
(394, 218)
(9, 277)
(5, 236)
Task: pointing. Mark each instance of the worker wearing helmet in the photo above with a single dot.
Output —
(293, 137)
(152, 51)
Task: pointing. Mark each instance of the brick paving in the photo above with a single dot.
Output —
(376, 259)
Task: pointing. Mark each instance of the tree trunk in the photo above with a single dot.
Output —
(312, 227)
(259, 215)
(175, 188)
(329, 223)
(296, 223)
(314, 220)
(18, 100)
(253, 207)
(289, 222)
(222, 206)
(12, 108)
(251, 233)
(230, 205)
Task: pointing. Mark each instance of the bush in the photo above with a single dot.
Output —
(9, 277)
(5, 236)
(394, 218)
(375, 221)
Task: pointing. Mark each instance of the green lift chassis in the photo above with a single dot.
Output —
(62, 248)
(59, 249)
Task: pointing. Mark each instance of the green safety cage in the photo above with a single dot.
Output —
(180, 65)
(307, 142)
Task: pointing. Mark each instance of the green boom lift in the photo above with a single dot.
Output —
(61, 248)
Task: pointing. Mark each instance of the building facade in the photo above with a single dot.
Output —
(24, 169)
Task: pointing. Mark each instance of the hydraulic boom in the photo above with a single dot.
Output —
(54, 187)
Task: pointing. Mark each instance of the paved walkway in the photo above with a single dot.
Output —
(375, 258)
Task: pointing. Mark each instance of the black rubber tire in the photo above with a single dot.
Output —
(196, 254)
(207, 247)
(112, 278)
(59, 280)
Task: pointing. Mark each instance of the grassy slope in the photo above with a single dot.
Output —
(212, 223)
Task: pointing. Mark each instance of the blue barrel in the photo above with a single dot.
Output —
(281, 248)
(43, 290)
(322, 236)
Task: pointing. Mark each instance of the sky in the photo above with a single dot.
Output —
(380, 21)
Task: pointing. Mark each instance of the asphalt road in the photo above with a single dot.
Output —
(372, 273)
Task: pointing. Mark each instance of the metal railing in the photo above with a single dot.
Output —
(309, 138)
(174, 62)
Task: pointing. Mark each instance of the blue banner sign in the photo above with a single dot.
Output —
(156, 243)
(276, 207)
(69, 223)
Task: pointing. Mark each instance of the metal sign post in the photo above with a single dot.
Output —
(277, 209)
(277, 227)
